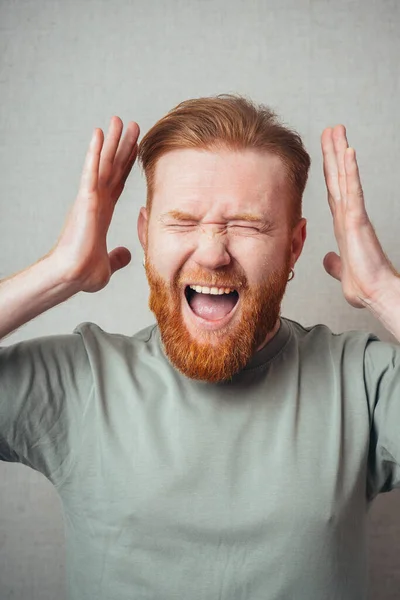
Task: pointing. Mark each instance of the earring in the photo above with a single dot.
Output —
(291, 275)
(144, 261)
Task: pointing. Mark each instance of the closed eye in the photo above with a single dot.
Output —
(244, 229)
(182, 225)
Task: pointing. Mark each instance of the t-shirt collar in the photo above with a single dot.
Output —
(271, 348)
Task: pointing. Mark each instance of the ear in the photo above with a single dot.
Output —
(299, 234)
(142, 227)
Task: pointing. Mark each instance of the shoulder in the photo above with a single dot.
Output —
(320, 339)
(99, 342)
(91, 332)
(89, 348)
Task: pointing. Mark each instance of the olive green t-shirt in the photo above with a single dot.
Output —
(173, 489)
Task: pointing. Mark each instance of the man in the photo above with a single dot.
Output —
(227, 452)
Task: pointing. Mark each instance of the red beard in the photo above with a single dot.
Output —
(227, 351)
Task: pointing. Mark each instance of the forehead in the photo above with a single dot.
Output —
(218, 181)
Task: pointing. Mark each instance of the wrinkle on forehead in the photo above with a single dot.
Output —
(242, 178)
(205, 168)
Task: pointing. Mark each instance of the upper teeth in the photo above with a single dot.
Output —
(214, 290)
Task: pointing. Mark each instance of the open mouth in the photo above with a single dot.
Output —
(211, 303)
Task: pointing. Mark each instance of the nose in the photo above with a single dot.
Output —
(211, 252)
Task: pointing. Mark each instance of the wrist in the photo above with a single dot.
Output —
(58, 275)
(385, 304)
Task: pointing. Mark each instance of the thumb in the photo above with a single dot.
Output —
(333, 265)
(119, 258)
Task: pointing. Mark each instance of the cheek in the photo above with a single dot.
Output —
(167, 253)
(259, 260)
(251, 254)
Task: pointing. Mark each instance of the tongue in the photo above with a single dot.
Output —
(212, 307)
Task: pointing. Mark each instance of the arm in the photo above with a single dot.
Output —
(367, 276)
(80, 260)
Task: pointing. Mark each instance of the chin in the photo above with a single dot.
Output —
(214, 349)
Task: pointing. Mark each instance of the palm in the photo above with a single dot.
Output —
(362, 266)
(82, 246)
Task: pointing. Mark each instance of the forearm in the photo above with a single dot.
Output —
(386, 306)
(31, 292)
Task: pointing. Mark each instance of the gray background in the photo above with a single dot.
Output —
(66, 67)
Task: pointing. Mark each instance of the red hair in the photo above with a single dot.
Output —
(232, 122)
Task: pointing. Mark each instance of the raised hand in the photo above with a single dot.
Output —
(81, 251)
(362, 267)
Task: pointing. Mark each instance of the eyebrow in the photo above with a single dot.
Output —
(178, 215)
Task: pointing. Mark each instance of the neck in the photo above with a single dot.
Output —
(270, 335)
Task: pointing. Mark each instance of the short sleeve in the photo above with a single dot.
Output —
(45, 384)
(382, 380)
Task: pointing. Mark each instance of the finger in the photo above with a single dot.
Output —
(340, 145)
(126, 148)
(119, 183)
(333, 265)
(355, 196)
(109, 149)
(129, 164)
(330, 167)
(90, 172)
(119, 258)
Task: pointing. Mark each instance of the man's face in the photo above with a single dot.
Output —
(218, 254)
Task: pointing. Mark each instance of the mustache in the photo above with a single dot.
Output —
(217, 278)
